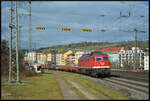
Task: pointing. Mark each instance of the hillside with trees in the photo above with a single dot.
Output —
(87, 46)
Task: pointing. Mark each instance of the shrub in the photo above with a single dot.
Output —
(5, 62)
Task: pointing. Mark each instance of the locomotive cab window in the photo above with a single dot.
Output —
(105, 58)
(98, 59)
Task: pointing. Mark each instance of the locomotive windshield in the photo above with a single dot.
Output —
(105, 58)
(98, 59)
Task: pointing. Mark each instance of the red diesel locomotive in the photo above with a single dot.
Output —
(96, 63)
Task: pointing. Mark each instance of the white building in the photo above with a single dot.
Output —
(26, 57)
(114, 57)
(31, 56)
(58, 59)
(146, 62)
(129, 56)
(73, 60)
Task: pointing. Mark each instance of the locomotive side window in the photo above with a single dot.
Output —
(105, 58)
(98, 59)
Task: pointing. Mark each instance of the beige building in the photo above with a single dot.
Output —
(43, 57)
(64, 57)
(49, 57)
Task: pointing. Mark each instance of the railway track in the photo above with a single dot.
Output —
(134, 85)
(131, 88)
(137, 76)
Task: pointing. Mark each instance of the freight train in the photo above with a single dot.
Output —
(94, 64)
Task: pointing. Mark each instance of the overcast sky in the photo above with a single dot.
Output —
(77, 15)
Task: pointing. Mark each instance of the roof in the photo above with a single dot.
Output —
(113, 50)
(71, 54)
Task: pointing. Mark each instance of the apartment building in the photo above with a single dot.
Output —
(31, 56)
(71, 59)
(58, 58)
(146, 61)
(62, 57)
(129, 56)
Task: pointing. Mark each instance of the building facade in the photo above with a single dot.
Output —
(146, 61)
(31, 56)
(64, 57)
(71, 59)
(58, 58)
(128, 56)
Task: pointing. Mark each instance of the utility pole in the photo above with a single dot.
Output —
(20, 37)
(17, 56)
(30, 34)
(13, 49)
(135, 30)
(135, 55)
(11, 26)
(30, 28)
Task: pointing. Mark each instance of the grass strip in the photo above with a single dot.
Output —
(101, 91)
(80, 95)
(37, 87)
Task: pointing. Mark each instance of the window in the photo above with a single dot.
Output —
(98, 59)
(105, 58)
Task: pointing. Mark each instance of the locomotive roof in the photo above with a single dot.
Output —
(86, 56)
